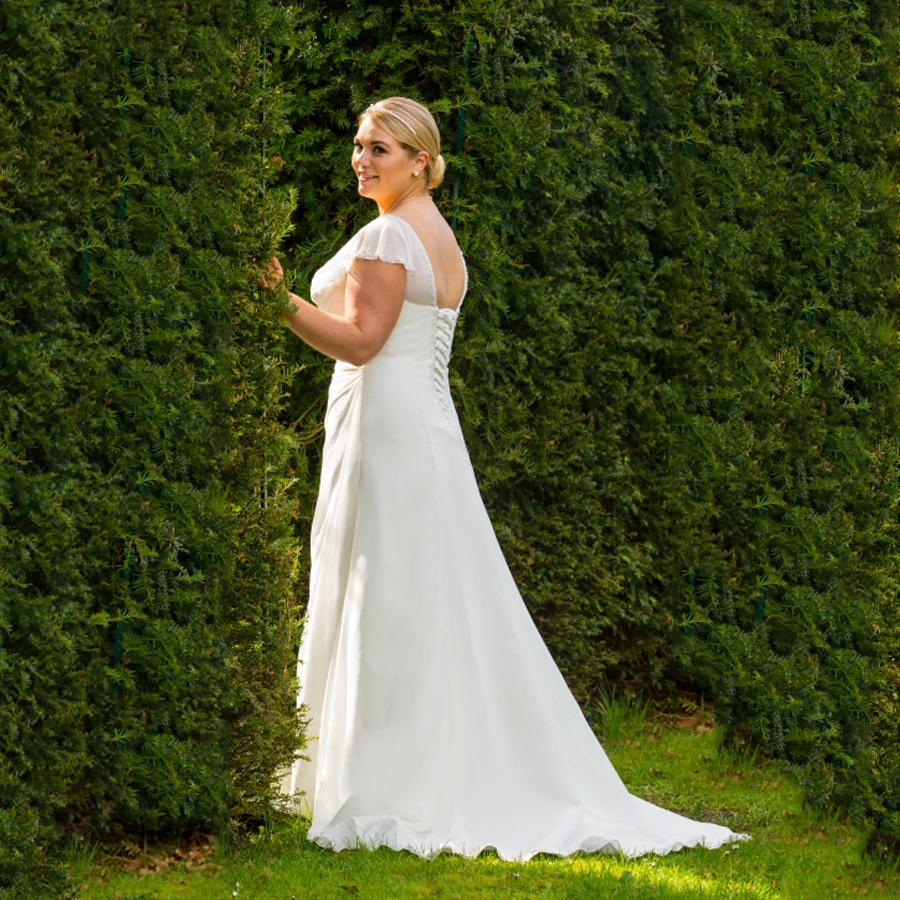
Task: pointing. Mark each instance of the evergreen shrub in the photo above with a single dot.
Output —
(677, 366)
(784, 360)
(146, 549)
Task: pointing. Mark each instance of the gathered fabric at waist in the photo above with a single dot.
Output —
(408, 379)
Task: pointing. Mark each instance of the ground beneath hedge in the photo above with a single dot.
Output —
(793, 853)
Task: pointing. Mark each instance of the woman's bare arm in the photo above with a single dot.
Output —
(373, 299)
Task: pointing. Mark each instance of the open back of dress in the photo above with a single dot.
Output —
(438, 719)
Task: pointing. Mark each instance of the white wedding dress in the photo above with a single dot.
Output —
(437, 718)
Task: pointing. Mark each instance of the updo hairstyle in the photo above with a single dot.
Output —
(413, 127)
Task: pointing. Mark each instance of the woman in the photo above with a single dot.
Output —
(438, 718)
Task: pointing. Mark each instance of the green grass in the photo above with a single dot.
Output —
(793, 853)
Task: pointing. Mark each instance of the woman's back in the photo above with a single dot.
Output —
(442, 252)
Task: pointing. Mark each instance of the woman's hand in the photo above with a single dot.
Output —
(273, 275)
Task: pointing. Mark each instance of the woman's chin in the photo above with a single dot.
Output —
(365, 192)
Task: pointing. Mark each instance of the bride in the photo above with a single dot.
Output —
(437, 718)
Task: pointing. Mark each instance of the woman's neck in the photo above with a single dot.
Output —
(403, 199)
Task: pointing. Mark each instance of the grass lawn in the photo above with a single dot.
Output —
(792, 854)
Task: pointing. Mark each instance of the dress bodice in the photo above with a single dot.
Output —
(391, 239)
(419, 346)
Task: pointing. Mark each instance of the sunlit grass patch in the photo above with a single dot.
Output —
(793, 853)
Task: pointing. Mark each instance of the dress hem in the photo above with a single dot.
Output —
(398, 835)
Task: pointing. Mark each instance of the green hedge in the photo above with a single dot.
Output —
(146, 547)
(677, 368)
(784, 223)
(676, 372)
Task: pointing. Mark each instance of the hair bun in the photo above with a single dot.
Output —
(437, 172)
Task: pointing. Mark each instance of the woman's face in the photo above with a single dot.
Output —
(383, 168)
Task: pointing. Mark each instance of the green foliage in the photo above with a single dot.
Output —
(782, 220)
(619, 718)
(676, 371)
(677, 366)
(137, 646)
(29, 868)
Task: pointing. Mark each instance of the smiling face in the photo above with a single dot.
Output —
(385, 171)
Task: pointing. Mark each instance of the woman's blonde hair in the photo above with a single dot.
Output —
(414, 128)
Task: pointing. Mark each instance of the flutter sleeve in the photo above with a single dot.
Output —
(383, 239)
